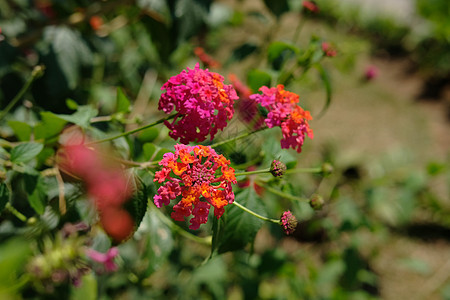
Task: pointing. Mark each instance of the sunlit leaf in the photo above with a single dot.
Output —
(25, 152)
(21, 129)
(123, 104)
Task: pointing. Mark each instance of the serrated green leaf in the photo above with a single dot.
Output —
(123, 104)
(236, 228)
(25, 152)
(4, 195)
(21, 129)
(257, 78)
(137, 204)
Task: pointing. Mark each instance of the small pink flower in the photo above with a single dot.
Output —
(106, 259)
(203, 103)
(288, 222)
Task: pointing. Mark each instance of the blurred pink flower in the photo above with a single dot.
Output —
(328, 49)
(106, 259)
(310, 6)
(371, 72)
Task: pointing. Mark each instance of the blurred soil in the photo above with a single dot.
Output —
(366, 122)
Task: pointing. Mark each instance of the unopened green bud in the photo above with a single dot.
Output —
(316, 202)
(327, 169)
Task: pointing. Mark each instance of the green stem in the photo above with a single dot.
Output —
(304, 170)
(202, 240)
(237, 137)
(37, 72)
(255, 214)
(252, 172)
(298, 30)
(284, 195)
(133, 131)
(16, 213)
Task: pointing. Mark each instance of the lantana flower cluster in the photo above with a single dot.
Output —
(203, 102)
(284, 112)
(201, 177)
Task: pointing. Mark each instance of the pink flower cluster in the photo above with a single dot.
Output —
(190, 172)
(107, 185)
(203, 103)
(284, 112)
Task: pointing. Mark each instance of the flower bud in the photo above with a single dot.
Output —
(327, 169)
(277, 168)
(316, 202)
(288, 222)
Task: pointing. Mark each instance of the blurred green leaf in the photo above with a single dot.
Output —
(82, 116)
(236, 228)
(241, 52)
(87, 289)
(123, 104)
(159, 239)
(419, 266)
(148, 135)
(21, 129)
(4, 195)
(278, 52)
(277, 7)
(13, 255)
(50, 126)
(72, 104)
(25, 152)
(36, 190)
(257, 78)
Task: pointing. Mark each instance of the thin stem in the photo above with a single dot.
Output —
(37, 72)
(237, 137)
(298, 29)
(202, 240)
(133, 131)
(15, 212)
(255, 214)
(252, 172)
(284, 195)
(304, 170)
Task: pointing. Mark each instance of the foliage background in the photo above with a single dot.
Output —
(384, 232)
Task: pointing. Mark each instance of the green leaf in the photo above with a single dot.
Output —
(277, 7)
(50, 126)
(257, 78)
(236, 228)
(123, 104)
(159, 239)
(82, 116)
(21, 129)
(278, 52)
(13, 255)
(241, 52)
(149, 149)
(4, 195)
(36, 191)
(25, 152)
(70, 50)
(137, 205)
(87, 289)
(327, 83)
(148, 135)
(72, 104)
